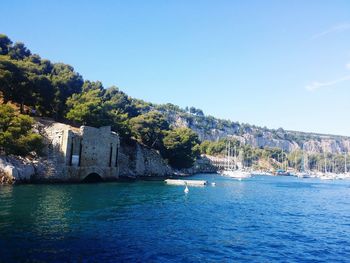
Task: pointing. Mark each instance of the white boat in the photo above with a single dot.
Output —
(186, 182)
(261, 173)
(305, 172)
(267, 174)
(346, 174)
(229, 169)
(341, 176)
(304, 175)
(237, 174)
(327, 177)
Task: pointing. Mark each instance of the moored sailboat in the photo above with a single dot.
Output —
(230, 169)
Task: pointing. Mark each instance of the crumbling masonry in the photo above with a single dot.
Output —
(84, 154)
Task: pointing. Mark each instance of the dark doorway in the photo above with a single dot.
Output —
(92, 178)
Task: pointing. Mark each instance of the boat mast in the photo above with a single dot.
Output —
(228, 156)
(235, 156)
(325, 160)
(231, 155)
(345, 155)
(302, 166)
(226, 159)
(345, 169)
(306, 162)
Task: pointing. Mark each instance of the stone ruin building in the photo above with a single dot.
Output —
(85, 154)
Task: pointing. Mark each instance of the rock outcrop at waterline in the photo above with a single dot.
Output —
(15, 169)
(136, 160)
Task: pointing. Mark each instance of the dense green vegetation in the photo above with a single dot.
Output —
(16, 136)
(29, 80)
(149, 128)
(43, 88)
(181, 147)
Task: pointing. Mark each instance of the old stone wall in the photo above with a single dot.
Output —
(73, 154)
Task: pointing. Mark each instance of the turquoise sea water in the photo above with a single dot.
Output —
(262, 219)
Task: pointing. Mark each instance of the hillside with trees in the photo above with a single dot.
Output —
(44, 89)
(41, 88)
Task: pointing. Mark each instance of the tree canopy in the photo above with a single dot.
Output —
(16, 135)
(149, 128)
(181, 147)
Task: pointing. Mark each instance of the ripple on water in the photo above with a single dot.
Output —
(262, 219)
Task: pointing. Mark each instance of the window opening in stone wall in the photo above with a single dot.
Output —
(116, 157)
(71, 154)
(110, 156)
(80, 151)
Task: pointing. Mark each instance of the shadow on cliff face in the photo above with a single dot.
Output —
(92, 178)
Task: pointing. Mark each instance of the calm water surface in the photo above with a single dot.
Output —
(262, 219)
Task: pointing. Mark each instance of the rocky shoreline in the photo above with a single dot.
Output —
(14, 169)
(18, 170)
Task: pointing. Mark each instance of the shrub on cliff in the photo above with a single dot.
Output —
(181, 147)
(16, 135)
(149, 129)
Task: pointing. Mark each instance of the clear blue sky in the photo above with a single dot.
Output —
(270, 63)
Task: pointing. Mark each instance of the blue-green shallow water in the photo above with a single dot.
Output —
(262, 219)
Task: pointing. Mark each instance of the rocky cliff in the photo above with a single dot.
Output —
(213, 129)
(136, 160)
